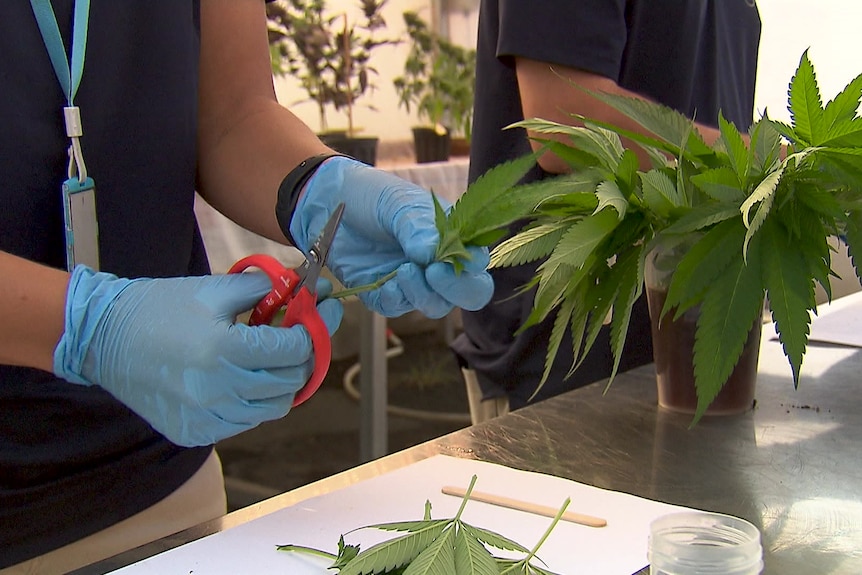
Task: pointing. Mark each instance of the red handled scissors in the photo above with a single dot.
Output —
(296, 291)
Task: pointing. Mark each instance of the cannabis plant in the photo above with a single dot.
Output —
(758, 215)
(435, 546)
(438, 78)
(327, 52)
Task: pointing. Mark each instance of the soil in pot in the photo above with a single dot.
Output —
(673, 350)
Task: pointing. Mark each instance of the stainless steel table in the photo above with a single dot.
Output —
(791, 466)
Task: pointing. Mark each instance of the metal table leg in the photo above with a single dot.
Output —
(373, 386)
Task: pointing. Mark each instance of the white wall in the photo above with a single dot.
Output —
(828, 28)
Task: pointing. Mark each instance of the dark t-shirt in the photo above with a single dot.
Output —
(73, 460)
(697, 56)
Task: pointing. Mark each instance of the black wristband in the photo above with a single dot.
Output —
(290, 188)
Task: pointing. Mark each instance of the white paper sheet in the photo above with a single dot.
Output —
(840, 322)
(618, 549)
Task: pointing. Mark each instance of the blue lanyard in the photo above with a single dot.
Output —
(79, 204)
(68, 75)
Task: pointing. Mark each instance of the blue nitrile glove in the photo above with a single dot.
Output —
(388, 224)
(169, 349)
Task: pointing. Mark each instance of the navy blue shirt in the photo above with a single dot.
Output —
(73, 460)
(697, 56)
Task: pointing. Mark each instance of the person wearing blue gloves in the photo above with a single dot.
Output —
(116, 382)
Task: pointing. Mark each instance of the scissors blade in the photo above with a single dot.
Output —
(319, 250)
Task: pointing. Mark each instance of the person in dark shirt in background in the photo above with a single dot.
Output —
(696, 56)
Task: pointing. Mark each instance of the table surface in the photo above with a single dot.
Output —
(790, 466)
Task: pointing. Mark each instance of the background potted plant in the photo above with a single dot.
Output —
(739, 224)
(438, 82)
(331, 57)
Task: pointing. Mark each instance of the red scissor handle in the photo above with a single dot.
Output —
(301, 308)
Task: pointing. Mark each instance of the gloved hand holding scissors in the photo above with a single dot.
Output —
(388, 225)
(169, 349)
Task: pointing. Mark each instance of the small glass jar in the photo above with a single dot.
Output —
(700, 543)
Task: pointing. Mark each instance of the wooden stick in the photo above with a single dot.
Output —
(535, 508)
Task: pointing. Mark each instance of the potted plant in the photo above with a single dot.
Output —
(331, 56)
(438, 82)
(736, 223)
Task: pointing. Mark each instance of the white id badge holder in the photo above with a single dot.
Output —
(82, 229)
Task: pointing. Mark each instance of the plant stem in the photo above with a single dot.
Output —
(309, 550)
(551, 526)
(348, 72)
(364, 288)
(526, 560)
(465, 498)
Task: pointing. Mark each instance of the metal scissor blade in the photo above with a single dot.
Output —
(319, 250)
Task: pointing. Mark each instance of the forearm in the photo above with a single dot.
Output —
(247, 142)
(240, 174)
(554, 93)
(32, 312)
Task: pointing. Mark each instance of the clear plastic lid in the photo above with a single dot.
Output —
(701, 543)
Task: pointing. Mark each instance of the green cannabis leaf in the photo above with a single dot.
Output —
(753, 220)
(434, 547)
(479, 218)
